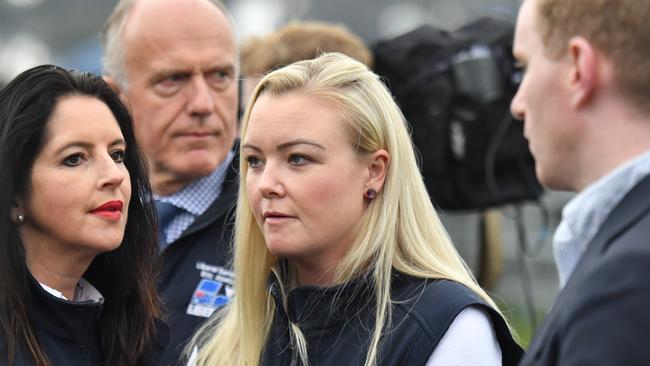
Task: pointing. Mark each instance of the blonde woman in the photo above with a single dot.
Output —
(340, 258)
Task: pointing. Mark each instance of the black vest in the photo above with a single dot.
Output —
(338, 322)
(67, 332)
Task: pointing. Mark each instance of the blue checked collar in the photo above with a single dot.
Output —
(197, 196)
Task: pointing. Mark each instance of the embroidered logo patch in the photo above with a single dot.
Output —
(212, 292)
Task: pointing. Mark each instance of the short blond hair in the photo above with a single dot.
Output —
(618, 29)
(298, 41)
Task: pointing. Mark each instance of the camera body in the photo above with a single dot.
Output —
(454, 89)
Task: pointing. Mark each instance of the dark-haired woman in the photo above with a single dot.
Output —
(77, 250)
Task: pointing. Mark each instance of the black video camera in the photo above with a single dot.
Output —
(454, 89)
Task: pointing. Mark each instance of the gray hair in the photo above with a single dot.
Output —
(113, 48)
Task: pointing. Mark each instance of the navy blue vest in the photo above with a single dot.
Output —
(338, 322)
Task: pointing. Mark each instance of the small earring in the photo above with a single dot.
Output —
(370, 194)
(20, 218)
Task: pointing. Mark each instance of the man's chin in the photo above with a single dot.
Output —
(552, 182)
(176, 174)
(198, 164)
(197, 171)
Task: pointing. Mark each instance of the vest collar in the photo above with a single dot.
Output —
(72, 321)
(317, 307)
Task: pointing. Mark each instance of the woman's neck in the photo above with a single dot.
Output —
(59, 276)
(309, 275)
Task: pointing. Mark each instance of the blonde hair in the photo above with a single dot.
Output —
(618, 29)
(299, 41)
(400, 230)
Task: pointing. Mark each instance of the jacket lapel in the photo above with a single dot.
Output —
(632, 207)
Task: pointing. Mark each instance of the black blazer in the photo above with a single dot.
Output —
(207, 241)
(602, 316)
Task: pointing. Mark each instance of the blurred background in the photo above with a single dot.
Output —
(66, 31)
(512, 251)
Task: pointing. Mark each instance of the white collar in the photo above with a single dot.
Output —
(84, 291)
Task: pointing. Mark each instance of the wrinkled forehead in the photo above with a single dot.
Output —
(166, 25)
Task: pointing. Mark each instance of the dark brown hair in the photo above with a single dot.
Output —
(125, 276)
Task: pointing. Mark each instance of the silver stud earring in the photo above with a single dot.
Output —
(20, 218)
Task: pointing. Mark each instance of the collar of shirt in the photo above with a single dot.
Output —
(194, 199)
(586, 212)
(197, 196)
(84, 291)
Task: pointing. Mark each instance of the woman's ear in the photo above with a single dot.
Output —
(17, 213)
(377, 169)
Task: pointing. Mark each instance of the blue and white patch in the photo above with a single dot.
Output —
(213, 291)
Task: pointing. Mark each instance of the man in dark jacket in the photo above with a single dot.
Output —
(585, 99)
(176, 62)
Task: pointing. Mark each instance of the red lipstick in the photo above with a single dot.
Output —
(111, 210)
